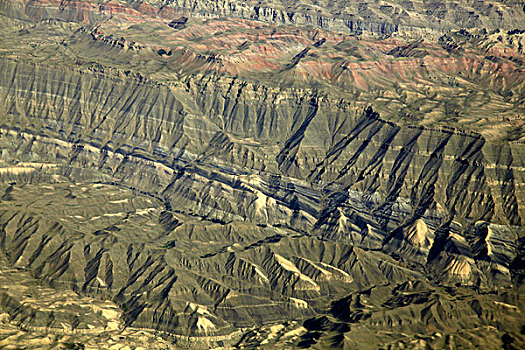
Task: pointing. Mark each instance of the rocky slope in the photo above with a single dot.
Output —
(357, 17)
(230, 175)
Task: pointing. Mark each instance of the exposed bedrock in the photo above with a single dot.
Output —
(232, 152)
(326, 174)
(353, 17)
(175, 272)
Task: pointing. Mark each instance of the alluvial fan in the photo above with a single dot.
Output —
(262, 174)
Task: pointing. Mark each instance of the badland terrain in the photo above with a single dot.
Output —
(262, 174)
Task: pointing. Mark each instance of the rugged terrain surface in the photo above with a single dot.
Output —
(262, 174)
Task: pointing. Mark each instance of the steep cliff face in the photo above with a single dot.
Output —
(372, 17)
(140, 169)
(313, 139)
(376, 17)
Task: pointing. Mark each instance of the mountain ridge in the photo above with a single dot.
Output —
(241, 183)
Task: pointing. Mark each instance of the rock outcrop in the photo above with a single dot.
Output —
(258, 173)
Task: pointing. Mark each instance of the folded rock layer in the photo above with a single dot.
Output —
(286, 175)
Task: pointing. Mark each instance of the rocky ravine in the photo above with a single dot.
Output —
(259, 208)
